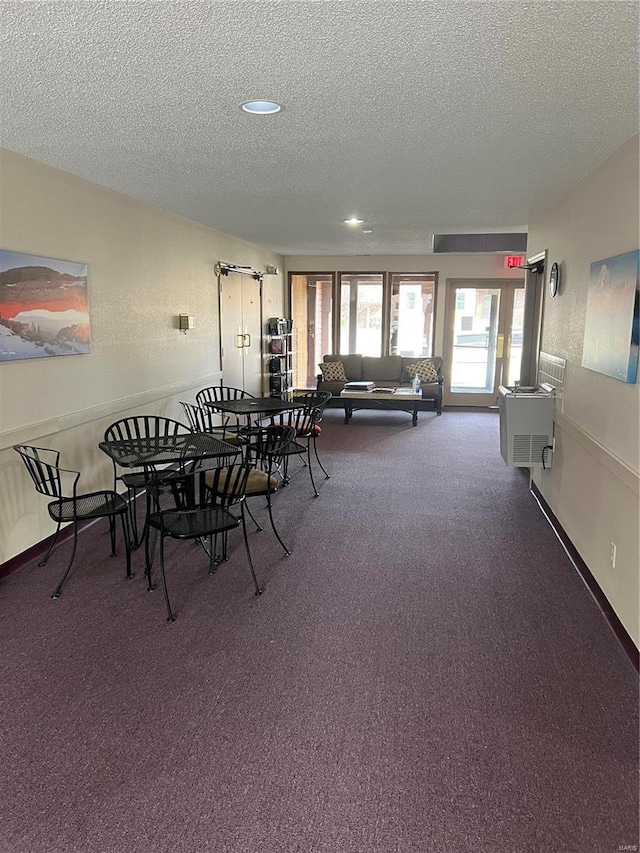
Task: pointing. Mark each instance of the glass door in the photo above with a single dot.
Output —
(483, 340)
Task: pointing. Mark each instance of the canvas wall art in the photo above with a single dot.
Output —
(43, 307)
(613, 317)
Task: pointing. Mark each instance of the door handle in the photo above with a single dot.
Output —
(246, 335)
(239, 340)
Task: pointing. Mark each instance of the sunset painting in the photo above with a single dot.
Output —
(43, 307)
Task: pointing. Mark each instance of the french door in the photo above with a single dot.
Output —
(241, 332)
(483, 340)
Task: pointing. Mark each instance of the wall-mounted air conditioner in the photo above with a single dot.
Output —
(526, 425)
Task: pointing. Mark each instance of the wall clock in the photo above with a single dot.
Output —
(554, 279)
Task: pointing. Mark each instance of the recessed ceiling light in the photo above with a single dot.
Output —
(367, 230)
(353, 220)
(261, 108)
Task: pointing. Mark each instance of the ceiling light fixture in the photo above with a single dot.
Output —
(367, 230)
(261, 108)
(353, 220)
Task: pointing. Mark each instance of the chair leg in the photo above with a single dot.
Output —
(133, 520)
(127, 542)
(43, 561)
(273, 525)
(316, 494)
(212, 553)
(253, 518)
(170, 616)
(112, 534)
(56, 592)
(259, 589)
(149, 554)
(315, 450)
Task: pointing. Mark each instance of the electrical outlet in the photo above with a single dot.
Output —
(612, 555)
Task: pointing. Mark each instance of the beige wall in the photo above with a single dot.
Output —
(593, 483)
(446, 266)
(145, 266)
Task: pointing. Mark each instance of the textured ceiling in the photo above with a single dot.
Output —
(420, 117)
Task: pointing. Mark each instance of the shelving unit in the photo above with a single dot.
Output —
(281, 352)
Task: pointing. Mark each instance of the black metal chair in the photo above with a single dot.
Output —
(203, 419)
(219, 393)
(306, 423)
(200, 511)
(266, 452)
(139, 426)
(317, 402)
(61, 484)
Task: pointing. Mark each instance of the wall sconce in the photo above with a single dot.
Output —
(185, 322)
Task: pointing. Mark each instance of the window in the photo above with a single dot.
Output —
(361, 309)
(368, 313)
(412, 307)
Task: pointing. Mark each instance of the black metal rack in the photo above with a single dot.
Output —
(280, 356)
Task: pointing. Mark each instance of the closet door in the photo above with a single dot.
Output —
(241, 332)
(252, 335)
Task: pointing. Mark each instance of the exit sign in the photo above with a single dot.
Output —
(513, 261)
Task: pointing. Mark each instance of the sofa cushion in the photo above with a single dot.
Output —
(352, 365)
(424, 369)
(382, 369)
(333, 371)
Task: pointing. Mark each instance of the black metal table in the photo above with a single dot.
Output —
(151, 451)
(250, 407)
(148, 452)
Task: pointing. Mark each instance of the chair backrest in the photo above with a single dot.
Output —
(201, 419)
(144, 426)
(43, 466)
(216, 393)
(300, 420)
(224, 487)
(267, 446)
(316, 401)
(228, 485)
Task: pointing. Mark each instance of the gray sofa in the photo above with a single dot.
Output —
(389, 371)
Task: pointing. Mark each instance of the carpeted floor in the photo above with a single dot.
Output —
(426, 673)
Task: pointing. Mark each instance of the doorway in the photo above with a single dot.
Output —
(241, 332)
(312, 316)
(483, 340)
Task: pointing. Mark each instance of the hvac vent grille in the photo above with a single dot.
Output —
(528, 449)
(448, 243)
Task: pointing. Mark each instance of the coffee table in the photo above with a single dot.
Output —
(400, 400)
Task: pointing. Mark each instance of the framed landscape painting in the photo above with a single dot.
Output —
(43, 307)
(611, 334)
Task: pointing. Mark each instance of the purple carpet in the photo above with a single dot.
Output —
(425, 673)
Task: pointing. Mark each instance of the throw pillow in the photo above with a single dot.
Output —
(424, 370)
(333, 371)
